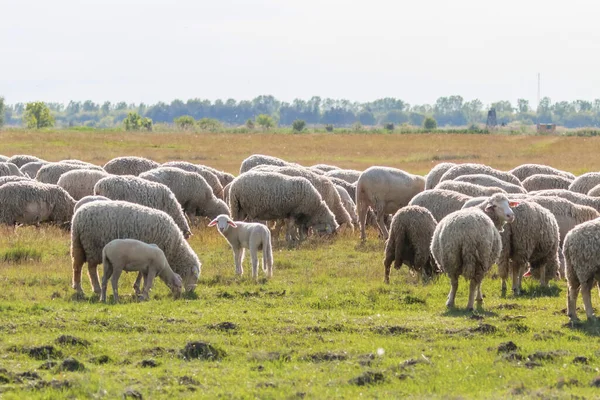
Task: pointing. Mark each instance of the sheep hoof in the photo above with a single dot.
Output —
(449, 305)
(470, 309)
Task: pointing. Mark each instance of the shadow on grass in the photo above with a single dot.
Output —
(533, 289)
(587, 327)
(478, 313)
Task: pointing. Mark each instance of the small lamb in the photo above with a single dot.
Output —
(246, 235)
(133, 255)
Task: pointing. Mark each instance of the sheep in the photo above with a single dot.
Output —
(467, 242)
(97, 223)
(490, 181)
(433, 177)
(385, 190)
(80, 182)
(594, 192)
(471, 169)
(10, 169)
(129, 165)
(50, 173)
(210, 178)
(350, 187)
(191, 191)
(581, 249)
(348, 203)
(524, 171)
(261, 159)
(141, 191)
(440, 202)
(470, 189)
(22, 159)
(348, 175)
(89, 199)
(4, 158)
(30, 202)
(323, 185)
(223, 177)
(31, 168)
(272, 196)
(324, 167)
(247, 235)
(546, 182)
(409, 241)
(12, 178)
(573, 197)
(133, 255)
(584, 183)
(79, 162)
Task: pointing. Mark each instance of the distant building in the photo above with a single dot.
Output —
(546, 128)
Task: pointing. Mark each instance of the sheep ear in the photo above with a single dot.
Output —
(213, 222)
(513, 203)
(231, 223)
(489, 207)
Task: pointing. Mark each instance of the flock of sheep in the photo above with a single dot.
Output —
(134, 214)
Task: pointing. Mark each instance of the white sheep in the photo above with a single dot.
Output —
(247, 235)
(80, 182)
(133, 255)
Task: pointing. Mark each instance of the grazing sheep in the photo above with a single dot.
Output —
(470, 189)
(247, 235)
(79, 162)
(22, 159)
(433, 177)
(224, 177)
(29, 202)
(324, 167)
(350, 187)
(348, 175)
(210, 178)
(581, 249)
(385, 190)
(141, 191)
(323, 185)
(594, 192)
(490, 181)
(129, 165)
(12, 178)
(97, 223)
(9, 169)
(475, 201)
(467, 242)
(133, 255)
(409, 241)
(348, 203)
(261, 159)
(89, 199)
(440, 202)
(546, 182)
(526, 170)
(271, 196)
(31, 168)
(584, 183)
(472, 169)
(4, 158)
(50, 173)
(80, 182)
(191, 191)
(573, 197)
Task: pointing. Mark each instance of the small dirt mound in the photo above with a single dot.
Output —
(48, 365)
(224, 326)
(266, 385)
(148, 364)
(100, 360)
(391, 330)
(328, 356)
(156, 351)
(517, 327)
(412, 362)
(562, 382)
(70, 364)
(188, 381)
(202, 351)
(54, 384)
(484, 329)
(366, 359)
(368, 378)
(39, 352)
(544, 355)
(581, 360)
(532, 364)
(132, 394)
(68, 340)
(507, 347)
(512, 356)
(29, 375)
(508, 306)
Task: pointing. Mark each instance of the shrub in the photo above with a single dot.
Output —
(250, 124)
(389, 126)
(298, 125)
(185, 122)
(209, 124)
(265, 121)
(430, 123)
(329, 128)
(357, 126)
(134, 122)
(37, 115)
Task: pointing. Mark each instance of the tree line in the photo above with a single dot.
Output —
(447, 111)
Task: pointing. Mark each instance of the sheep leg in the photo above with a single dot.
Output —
(114, 281)
(381, 221)
(586, 296)
(472, 291)
(78, 260)
(108, 271)
(238, 255)
(388, 266)
(136, 284)
(254, 257)
(361, 210)
(148, 280)
(479, 297)
(517, 273)
(543, 281)
(93, 275)
(572, 292)
(453, 289)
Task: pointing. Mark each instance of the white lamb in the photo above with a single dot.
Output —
(246, 235)
(133, 255)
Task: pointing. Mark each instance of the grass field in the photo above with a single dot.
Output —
(324, 327)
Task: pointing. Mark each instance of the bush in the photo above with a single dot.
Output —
(249, 124)
(209, 124)
(37, 115)
(134, 122)
(185, 122)
(298, 125)
(430, 123)
(389, 126)
(329, 128)
(265, 121)
(357, 127)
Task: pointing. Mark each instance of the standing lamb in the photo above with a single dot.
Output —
(51, 173)
(133, 255)
(21, 159)
(581, 249)
(30, 202)
(247, 235)
(410, 238)
(467, 242)
(584, 183)
(129, 165)
(440, 202)
(80, 182)
(434, 176)
(491, 181)
(141, 191)
(472, 169)
(271, 196)
(97, 223)
(546, 182)
(210, 178)
(385, 190)
(191, 191)
(470, 189)
(526, 170)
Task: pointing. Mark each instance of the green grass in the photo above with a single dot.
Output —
(321, 326)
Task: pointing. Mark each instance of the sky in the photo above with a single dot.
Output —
(149, 51)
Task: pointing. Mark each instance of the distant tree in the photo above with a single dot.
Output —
(134, 122)
(2, 110)
(89, 105)
(37, 115)
(249, 123)
(429, 124)
(298, 125)
(73, 107)
(366, 118)
(121, 106)
(523, 106)
(209, 124)
(105, 108)
(389, 126)
(265, 121)
(502, 106)
(185, 122)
